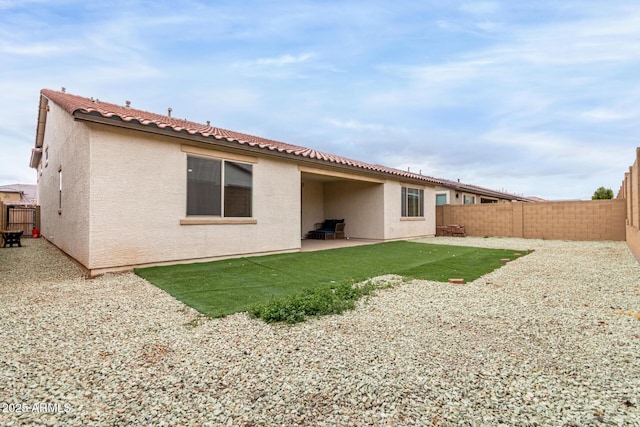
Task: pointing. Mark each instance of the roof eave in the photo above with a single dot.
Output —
(36, 156)
(36, 152)
(484, 192)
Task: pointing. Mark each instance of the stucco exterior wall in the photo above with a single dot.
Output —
(461, 195)
(65, 149)
(360, 204)
(312, 205)
(397, 227)
(9, 197)
(139, 185)
(453, 200)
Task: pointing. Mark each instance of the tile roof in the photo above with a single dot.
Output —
(474, 189)
(74, 103)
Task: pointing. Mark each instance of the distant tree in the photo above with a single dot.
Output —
(602, 193)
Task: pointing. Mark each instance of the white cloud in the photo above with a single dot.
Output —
(550, 148)
(577, 43)
(30, 49)
(489, 26)
(355, 125)
(284, 60)
(11, 4)
(610, 115)
(446, 25)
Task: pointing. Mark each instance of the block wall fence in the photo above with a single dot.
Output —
(629, 192)
(575, 220)
(617, 219)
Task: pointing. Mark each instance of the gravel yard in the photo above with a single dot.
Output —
(551, 339)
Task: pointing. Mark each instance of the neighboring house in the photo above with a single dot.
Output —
(18, 194)
(120, 187)
(18, 209)
(457, 193)
(537, 199)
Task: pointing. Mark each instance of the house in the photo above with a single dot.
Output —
(142, 189)
(18, 194)
(456, 193)
(18, 210)
(120, 187)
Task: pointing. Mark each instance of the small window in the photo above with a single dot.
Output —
(60, 190)
(441, 199)
(412, 202)
(469, 200)
(218, 187)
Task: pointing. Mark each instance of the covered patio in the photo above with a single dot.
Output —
(356, 199)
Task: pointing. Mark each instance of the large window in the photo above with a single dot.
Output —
(412, 202)
(218, 187)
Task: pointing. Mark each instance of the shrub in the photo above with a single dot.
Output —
(602, 193)
(333, 299)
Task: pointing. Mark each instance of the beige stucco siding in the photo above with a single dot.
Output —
(359, 204)
(312, 205)
(452, 199)
(139, 185)
(457, 197)
(397, 227)
(65, 149)
(9, 197)
(124, 199)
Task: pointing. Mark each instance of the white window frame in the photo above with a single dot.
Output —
(223, 162)
(404, 206)
(446, 194)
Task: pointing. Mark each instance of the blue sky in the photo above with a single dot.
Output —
(535, 98)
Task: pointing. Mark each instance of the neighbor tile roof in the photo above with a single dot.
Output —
(28, 192)
(74, 103)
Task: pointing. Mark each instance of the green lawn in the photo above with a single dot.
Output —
(229, 286)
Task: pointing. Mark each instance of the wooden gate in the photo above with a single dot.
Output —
(23, 218)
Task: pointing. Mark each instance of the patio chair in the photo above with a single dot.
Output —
(329, 229)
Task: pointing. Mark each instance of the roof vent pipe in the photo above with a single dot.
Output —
(127, 104)
(169, 111)
(208, 123)
(63, 89)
